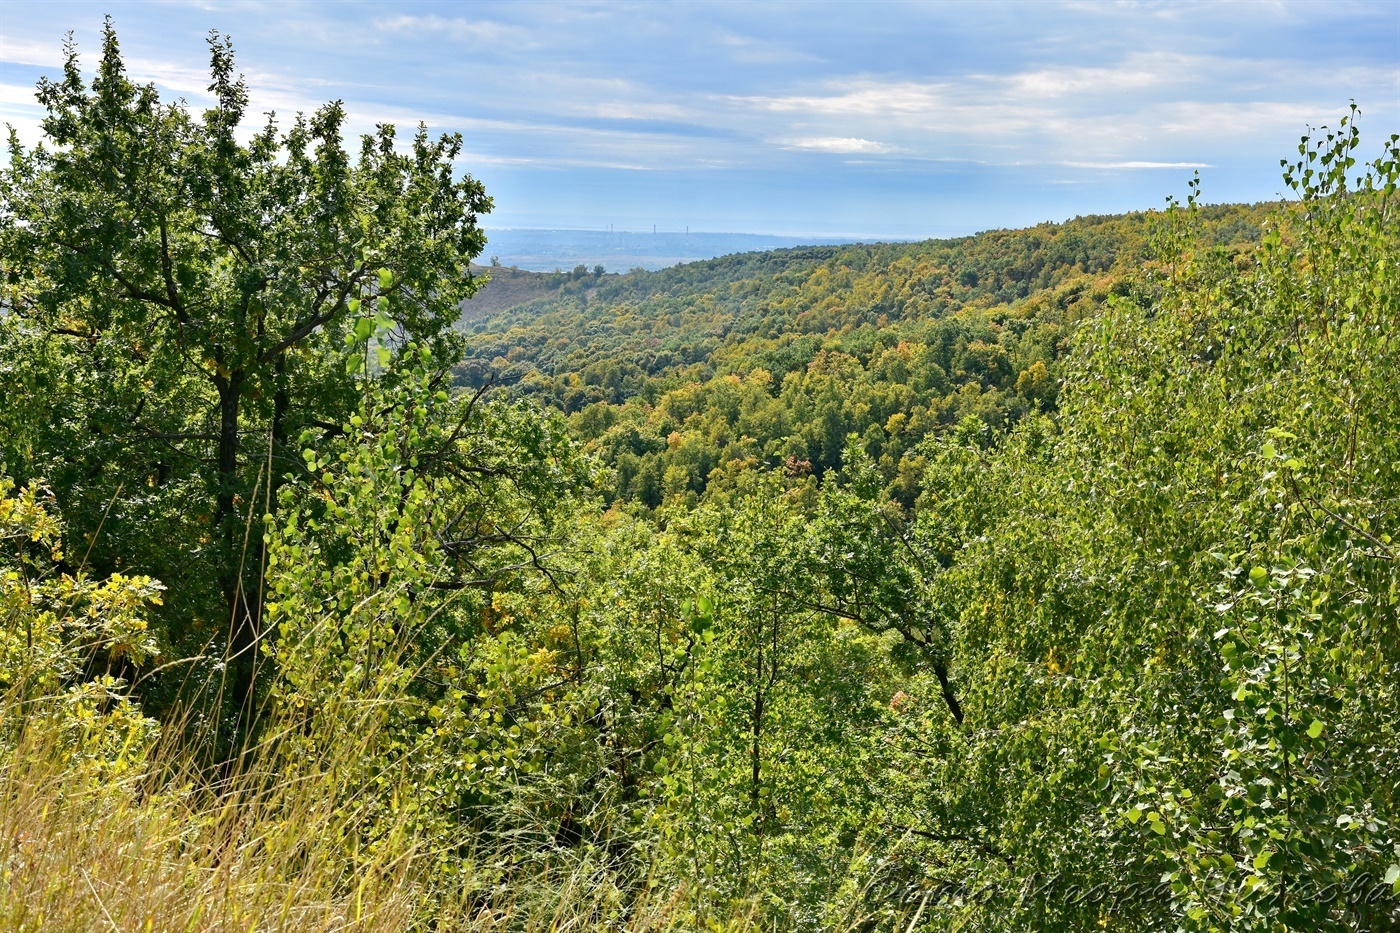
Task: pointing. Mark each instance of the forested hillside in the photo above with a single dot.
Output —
(683, 378)
(1039, 580)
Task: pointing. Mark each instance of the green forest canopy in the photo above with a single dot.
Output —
(680, 379)
(1042, 579)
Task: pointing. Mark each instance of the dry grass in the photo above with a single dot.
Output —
(161, 853)
(163, 849)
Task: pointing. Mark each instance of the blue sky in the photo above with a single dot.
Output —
(866, 119)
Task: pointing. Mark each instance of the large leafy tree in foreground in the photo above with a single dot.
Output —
(174, 299)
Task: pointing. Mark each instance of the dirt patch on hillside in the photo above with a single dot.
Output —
(507, 288)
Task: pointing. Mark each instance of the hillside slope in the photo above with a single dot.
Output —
(683, 379)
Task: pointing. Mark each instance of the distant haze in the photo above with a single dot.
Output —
(619, 251)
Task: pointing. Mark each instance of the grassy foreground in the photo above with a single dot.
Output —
(161, 848)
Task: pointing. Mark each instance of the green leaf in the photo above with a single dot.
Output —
(1315, 729)
(386, 279)
(1262, 859)
(1392, 877)
(1270, 451)
(1134, 815)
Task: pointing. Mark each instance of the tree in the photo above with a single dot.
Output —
(1169, 610)
(182, 288)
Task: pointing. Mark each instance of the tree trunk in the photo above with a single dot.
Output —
(277, 448)
(242, 638)
(940, 670)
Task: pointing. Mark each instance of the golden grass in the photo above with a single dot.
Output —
(167, 849)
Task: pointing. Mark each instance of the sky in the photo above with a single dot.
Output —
(861, 119)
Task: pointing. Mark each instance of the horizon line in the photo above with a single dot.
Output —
(683, 232)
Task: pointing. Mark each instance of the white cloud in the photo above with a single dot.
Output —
(1147, 110)
(845, 145)
(1087, 89)
(18, 51)
(629, 110)
(864, 97)
(473, 161)
(19, 109)
(18, 95)
(1137, 73)
(1136, 165)
(1240, 119)
(752, 51)
(459, 28)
